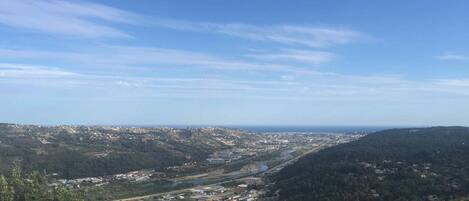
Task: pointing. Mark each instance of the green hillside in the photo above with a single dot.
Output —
(75, 152)
(398, 164)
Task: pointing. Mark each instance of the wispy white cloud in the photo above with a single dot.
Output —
(66, 18)
(287, 81)
(453, 82)
(132, 57)
(307, 86)
(31, 71)
(453, 56)
(295, 55)
(311, 36)
(52, 77)
(92, 20)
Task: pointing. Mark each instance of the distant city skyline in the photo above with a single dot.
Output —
(364, 63)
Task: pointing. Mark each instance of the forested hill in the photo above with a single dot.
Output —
(88, 151)
(398, 164)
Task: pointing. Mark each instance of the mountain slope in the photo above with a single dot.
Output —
(81, 151)
(398, 164)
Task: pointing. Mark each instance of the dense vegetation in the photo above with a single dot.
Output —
(32, 187)
(398, 164)
(76, 152)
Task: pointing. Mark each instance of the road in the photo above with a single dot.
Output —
(281, 165)
(268, 171)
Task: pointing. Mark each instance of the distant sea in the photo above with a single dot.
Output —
(314, 129)
(286, 129)
(292, 129)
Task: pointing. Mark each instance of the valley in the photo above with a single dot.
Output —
(152, 163)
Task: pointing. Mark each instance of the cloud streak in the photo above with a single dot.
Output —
(31, 71)
(290, 69)
(307, 87)
(66, 18)
(91, 20)
(295, 55)
(134, 57)
(451, 56)
(310, 36)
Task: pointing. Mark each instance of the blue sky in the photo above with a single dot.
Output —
(234, 62)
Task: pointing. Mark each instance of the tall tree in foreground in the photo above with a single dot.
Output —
(33, 187)
(36, 188)
(65, 194)
(16, 183)
(6, 192)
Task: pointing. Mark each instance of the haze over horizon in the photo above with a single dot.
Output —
(234, 62)
(238, 126)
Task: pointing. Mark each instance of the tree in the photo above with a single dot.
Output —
(6, 191)
(32, 188)
(64, 194)
(36, 187)
(16, 182)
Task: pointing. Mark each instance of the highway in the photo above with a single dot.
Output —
(281, 165)
(268, 171)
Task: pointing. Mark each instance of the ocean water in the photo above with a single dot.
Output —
(314, 129)
(290, 129)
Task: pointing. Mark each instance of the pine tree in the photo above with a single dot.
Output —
(32, 188)
(6, 191)
(36, 188)
(64, 194)
(16, 182)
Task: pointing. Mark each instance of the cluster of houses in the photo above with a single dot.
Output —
(134, 176)
(240, 192)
